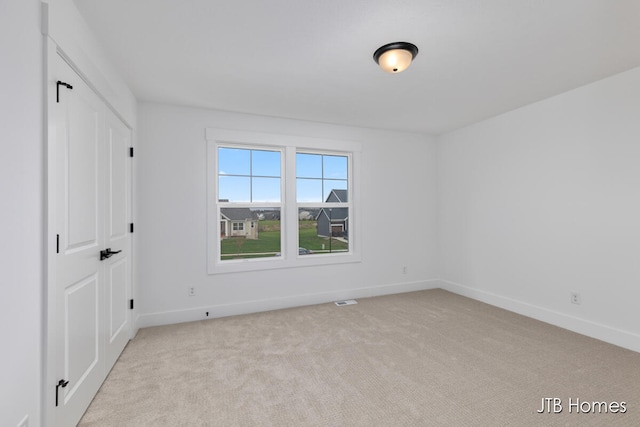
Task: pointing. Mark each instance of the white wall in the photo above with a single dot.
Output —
(398, 187)
(21, 215)
(545, 200)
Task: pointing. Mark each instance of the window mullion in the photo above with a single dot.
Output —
(290, 204)
(322, 175)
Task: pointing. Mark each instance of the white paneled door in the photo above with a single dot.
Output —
(93, 263)
(117, 164)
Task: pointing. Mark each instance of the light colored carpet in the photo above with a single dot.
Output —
(426, 358)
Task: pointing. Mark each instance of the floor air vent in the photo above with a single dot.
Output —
(347, 302)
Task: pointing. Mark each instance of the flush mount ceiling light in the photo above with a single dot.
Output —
(395, 57)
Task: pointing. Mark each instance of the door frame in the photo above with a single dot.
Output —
(49, 309)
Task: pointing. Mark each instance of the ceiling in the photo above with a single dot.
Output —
(312, 60)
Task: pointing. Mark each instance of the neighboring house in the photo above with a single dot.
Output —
(337, 217)
(237, 222)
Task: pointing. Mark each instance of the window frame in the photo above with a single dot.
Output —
(220, 204)
(323, 204)
(289, 145)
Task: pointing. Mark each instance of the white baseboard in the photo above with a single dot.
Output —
(255, 306)
(591, 329)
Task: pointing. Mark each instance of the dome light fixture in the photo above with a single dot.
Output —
(395, 57)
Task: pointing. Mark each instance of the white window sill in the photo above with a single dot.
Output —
(298, 261)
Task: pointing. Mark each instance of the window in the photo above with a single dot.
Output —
(278, 201)
(322, 195)
(249, 191)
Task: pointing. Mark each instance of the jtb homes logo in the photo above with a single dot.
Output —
(555, 405)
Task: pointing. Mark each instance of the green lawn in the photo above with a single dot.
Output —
(308, 238)
(268, 242)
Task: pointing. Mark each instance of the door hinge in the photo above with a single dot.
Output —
(130, 304)
(130, 151)
(57, 243)
(131, 227)
(58, 84)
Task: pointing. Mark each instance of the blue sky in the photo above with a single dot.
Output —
(254, 175)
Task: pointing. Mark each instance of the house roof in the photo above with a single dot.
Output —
(337, 214)
(338, 196)
(236, 214)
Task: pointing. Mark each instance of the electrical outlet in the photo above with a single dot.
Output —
(192, 291)
(24, 422)
(575, 298)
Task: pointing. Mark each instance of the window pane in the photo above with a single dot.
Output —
(308, 190)
(234, 161)
(323, 231)
(265, 163)
(234, 188)
(334, 167)
(308, 165)
(335, 191)
(249, 233)
(266, 190)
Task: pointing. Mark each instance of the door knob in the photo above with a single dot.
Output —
(107, 253)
